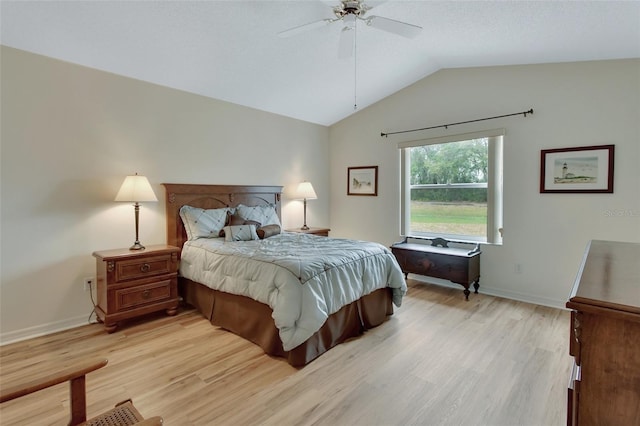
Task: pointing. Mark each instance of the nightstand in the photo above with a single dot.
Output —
(131, 283)
(323, 232)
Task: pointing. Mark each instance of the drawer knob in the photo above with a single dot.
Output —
(145, 267)
(146, 294)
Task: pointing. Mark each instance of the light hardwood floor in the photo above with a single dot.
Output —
(438, 361)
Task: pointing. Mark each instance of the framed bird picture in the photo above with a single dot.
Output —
(362, 180)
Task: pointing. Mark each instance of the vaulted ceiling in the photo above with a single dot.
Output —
(230, 50)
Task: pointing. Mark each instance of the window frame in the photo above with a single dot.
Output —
(493, 234)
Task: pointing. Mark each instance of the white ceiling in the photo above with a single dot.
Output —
(230, 50)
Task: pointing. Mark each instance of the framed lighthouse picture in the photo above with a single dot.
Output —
(586, 169)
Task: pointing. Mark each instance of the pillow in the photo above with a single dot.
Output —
(240, 233)
(268, 231)
(235, 220)
(265, 214)
(201, 223)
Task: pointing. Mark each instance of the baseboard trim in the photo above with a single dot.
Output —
(523, 297)
(44, 329)
(497, 292)
(41, 330)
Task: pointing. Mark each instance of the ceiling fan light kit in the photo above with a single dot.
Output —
(349, 21)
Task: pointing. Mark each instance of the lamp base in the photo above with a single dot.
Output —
(136, 246)
(305, 227)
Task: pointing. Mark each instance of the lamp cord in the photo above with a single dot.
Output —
(93, 311)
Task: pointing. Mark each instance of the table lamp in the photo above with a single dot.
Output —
(136, 189)
(305, 192)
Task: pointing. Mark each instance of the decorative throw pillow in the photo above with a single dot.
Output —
(268, 231)
(201, 223)
(265, 214)
(235, 220)
(240, 233)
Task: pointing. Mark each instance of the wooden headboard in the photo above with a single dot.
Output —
(212, 197)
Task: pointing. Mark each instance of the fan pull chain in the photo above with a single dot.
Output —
(355, 66)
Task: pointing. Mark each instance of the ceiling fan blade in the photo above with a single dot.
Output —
(347, 37)
(330, 3)
(345, 49)
(396, 27)
(304, 28)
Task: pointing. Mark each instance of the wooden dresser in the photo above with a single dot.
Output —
(605, 337)
(133, 283)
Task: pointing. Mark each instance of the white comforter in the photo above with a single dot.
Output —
(303, 278)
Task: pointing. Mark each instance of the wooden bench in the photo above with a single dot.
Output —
(124, 412)
(438, 260)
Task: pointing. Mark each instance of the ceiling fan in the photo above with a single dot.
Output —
(349, 12)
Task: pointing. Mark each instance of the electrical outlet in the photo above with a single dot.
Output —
(88, 282)
(517, 268)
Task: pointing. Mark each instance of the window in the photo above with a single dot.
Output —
(451, 187)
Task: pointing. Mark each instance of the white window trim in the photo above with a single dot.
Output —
(494, 184)
(450, 185)
(453, 138)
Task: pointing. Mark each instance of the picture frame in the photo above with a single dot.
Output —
(587, 169)
(362, 180)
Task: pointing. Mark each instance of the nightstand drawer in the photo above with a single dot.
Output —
(140, 268)
(139, 295)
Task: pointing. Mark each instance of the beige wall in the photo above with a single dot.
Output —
(69, 137)
(576, 104)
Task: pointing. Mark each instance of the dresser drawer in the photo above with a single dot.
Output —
(574, 336)
(573, 396)
(140, 295)
(133, 269)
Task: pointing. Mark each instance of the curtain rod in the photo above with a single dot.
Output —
(446, 126)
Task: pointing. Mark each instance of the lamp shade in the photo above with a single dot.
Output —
(305, 191)
(136, 189)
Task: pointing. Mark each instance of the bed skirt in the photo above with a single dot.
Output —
(252, 320)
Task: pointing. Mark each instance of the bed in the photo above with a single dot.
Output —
(299, 265)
